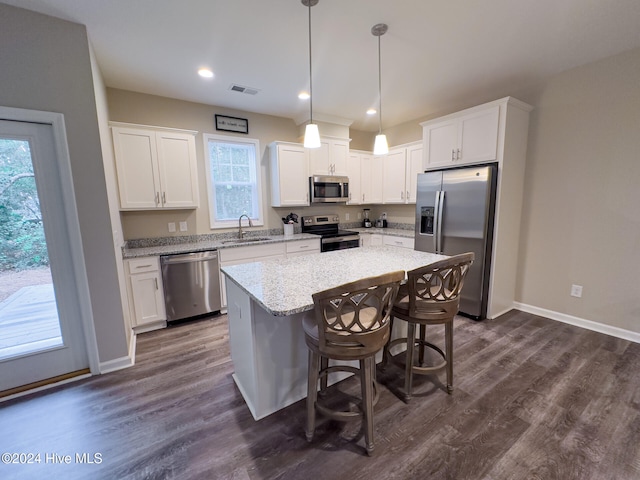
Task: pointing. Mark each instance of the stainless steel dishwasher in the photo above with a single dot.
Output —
(191, 284)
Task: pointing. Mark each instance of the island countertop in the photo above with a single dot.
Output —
(285, 287)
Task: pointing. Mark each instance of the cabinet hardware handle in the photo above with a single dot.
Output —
(164, 197)
(157, 198)
(303, 246)
(458, 155)
(363, 197)
(156, 280)
(407, 194)
(401, 195)
(453, 154)
(143, 266)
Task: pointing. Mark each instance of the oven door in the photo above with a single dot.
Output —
(339, 243)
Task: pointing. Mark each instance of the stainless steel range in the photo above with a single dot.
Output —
(332, 238)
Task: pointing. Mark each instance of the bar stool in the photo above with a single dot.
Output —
(349, 322)
(431, 296)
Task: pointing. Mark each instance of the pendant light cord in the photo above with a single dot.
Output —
(310, 76)
(379, 88)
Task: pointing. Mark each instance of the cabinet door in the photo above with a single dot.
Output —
(178, 170)
(148, 298)
(371, 176)
(478, 131)
(440, 142)
(289, 176)
(375, 240)
(403, 242)
(414, 167)
(375, 193)
(319, 163)
(355, 183)
(136, 165)
(338, 156)
(393, 176)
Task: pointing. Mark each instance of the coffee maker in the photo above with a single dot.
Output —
(366, 223)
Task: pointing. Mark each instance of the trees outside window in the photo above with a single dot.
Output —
(22, 240)
(233, 180)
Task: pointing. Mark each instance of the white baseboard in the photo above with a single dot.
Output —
(580, 322)
(122, 362)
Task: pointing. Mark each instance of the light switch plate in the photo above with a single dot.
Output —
(576, 291)
(183, 226)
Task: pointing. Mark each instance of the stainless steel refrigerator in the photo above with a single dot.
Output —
(455, 214)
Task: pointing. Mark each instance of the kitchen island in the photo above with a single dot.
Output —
(266, 301)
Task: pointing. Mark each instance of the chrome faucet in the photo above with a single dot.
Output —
(240, 232)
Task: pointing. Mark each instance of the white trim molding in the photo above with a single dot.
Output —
(580, 322)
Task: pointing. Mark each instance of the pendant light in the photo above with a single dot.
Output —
(380, 147)
(311, 133)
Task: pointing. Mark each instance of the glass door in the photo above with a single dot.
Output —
(41, 335)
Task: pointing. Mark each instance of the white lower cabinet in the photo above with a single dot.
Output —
(300, 248)
(144, 290)
(403, 242)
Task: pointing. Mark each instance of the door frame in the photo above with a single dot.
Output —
(56, 120)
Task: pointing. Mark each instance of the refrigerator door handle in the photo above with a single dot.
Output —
(437, 220)
(439, 208)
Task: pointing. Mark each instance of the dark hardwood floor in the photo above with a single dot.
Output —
(533, 399)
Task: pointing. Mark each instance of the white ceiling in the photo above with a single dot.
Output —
(436, 56)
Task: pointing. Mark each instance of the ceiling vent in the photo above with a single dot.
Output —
(239, 88)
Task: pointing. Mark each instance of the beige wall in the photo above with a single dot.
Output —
(131, 107)
(45, 65)
(581, 219)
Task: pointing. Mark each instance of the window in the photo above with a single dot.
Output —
(233, 180)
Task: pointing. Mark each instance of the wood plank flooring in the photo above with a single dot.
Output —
(533, 399)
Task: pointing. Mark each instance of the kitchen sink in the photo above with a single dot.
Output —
(247, 240)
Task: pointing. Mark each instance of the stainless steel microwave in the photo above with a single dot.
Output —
(328, 189)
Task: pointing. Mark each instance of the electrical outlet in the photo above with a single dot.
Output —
(346, 216)
(172, 226)
(183, 226)
(576, 291)
(359, 216)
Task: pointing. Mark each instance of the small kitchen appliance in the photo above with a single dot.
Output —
(366, 223)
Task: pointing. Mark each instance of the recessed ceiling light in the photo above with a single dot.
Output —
(304, 96)
(205, 72)
(372, 111)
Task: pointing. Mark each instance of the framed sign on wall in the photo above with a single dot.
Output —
(232, 124)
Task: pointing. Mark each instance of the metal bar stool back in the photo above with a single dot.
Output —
(431, 296)
(349, 322)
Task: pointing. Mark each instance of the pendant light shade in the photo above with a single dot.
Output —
(311, 133)
(380, 147)
(311, 136)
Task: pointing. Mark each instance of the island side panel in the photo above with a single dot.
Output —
(282, 360)
(241, 341)
(268, 352)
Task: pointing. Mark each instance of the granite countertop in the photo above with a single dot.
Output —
(201, 245)
(284, 287)
(396, 232)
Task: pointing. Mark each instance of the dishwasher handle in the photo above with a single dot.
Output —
(189, 257)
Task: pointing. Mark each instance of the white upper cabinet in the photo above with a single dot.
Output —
(289, 174)
(468, 137)
(371, 179)
(156, 168)
(331, 158)
(414, 166)
(393, 176)
(400, 173)
(354, 169)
